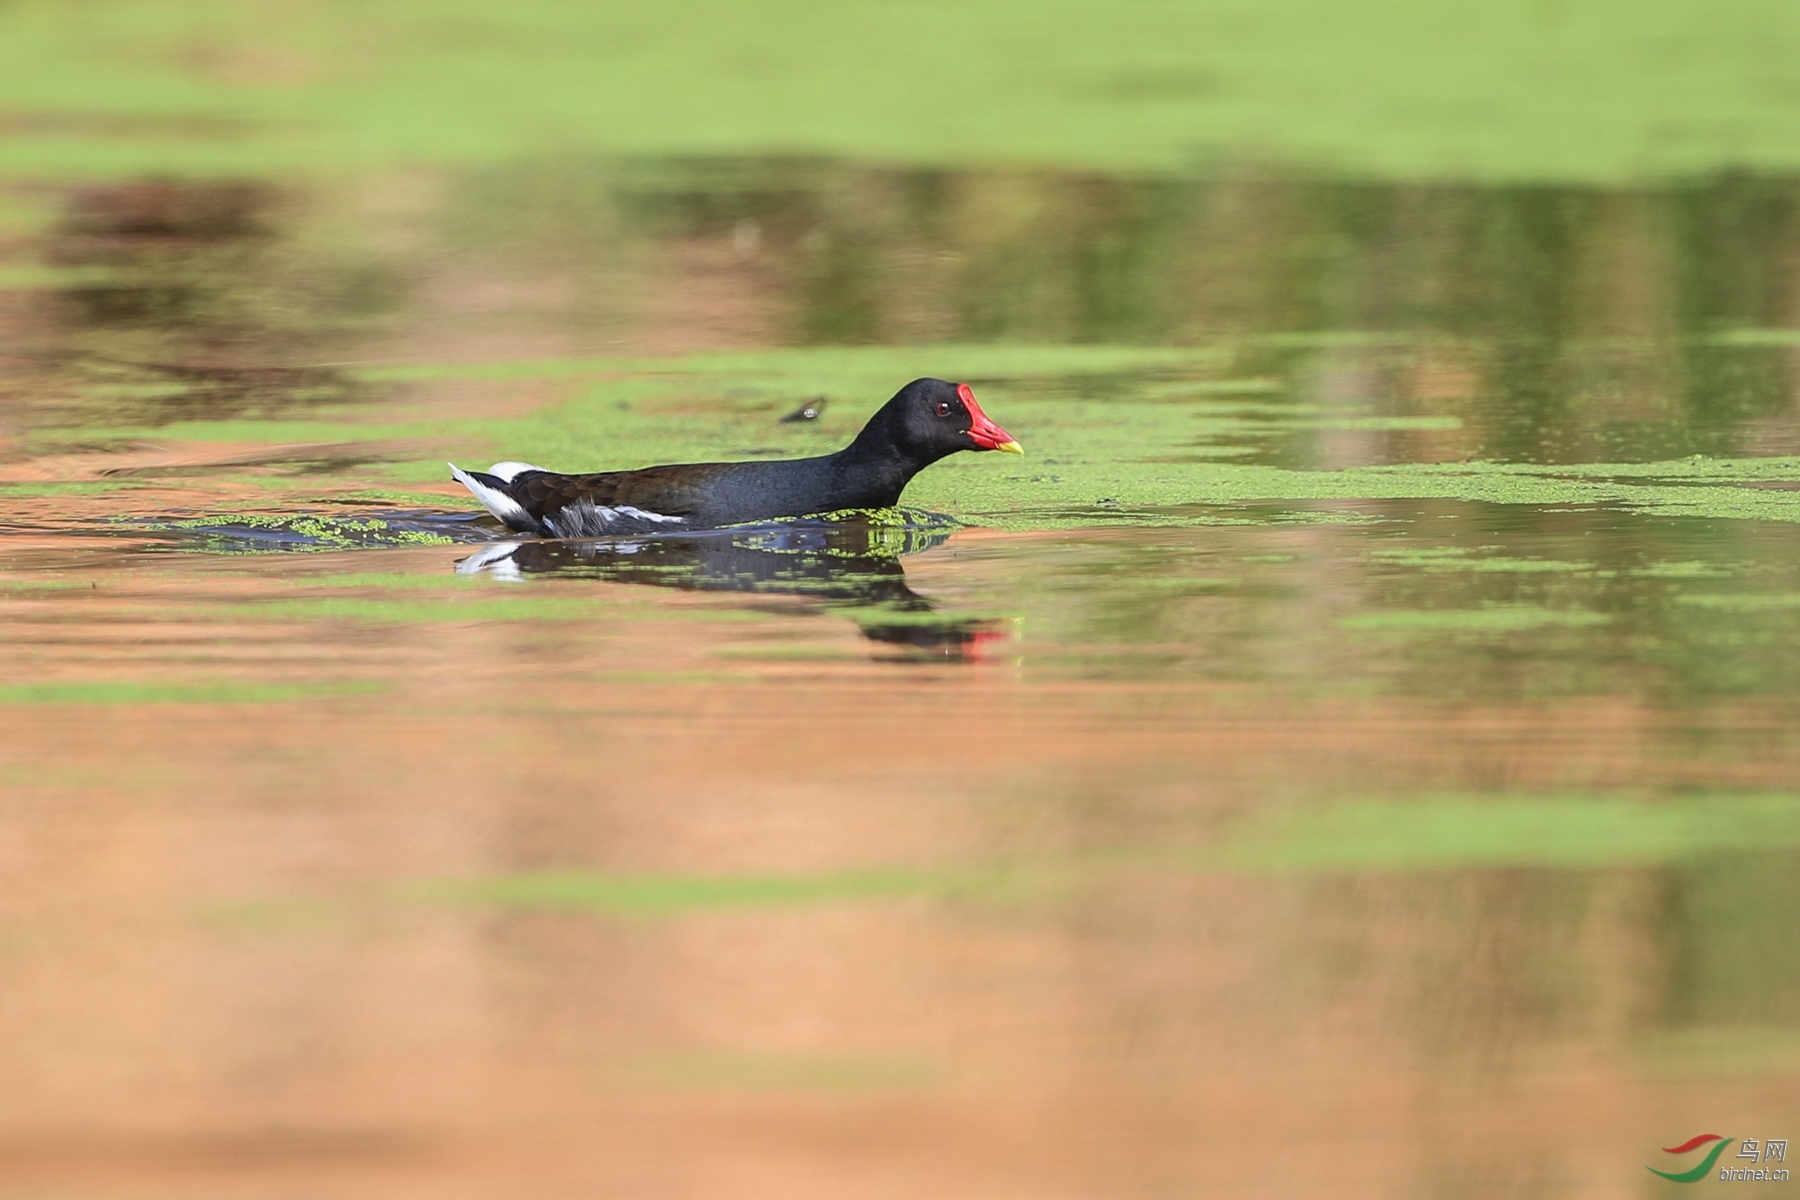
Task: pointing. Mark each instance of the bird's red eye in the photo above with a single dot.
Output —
(943, 408)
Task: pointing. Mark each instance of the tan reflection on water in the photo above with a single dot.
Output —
(246, 948)
(314, 884)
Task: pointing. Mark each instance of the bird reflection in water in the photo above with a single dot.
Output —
(850, 566)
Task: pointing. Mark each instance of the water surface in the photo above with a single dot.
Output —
(1352, 753)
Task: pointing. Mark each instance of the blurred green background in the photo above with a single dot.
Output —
(1540, 90)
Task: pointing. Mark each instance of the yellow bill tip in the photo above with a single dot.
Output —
(1010, 448)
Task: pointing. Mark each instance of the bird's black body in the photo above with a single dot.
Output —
(926, 420)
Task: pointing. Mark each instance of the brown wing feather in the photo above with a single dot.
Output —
(670, 491)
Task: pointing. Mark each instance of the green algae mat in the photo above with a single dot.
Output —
(1114, 436)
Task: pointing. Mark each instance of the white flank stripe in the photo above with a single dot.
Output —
(645, 515)
(584, 518)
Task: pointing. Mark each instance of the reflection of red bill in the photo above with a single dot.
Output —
(982, 643)
(984, 433)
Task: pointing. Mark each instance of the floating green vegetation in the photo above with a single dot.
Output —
(1003, 497)
(109, 692)
(1743, 602)
(233, 88)
(1421, 555)
(249, 533)
(337, 530)
(1453, 559)
(897, 518)
(1448, 832)
(1681, 570)
(28, 587)
(1695, 468)
(1102, 449)
(1755, 337)
(1493, 618)
(1097, 454)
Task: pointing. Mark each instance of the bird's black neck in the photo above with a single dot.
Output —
(873, 470)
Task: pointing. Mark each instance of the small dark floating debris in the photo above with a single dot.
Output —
(806, 412)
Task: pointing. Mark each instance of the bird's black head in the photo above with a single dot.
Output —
(929, 418)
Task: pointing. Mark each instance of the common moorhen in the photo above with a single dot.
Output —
(926, 420)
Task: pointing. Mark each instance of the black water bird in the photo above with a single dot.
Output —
(928, 419)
